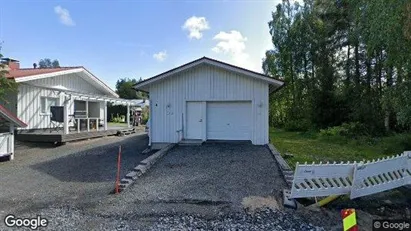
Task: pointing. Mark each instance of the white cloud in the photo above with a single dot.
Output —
(160, 56)
(64, 16)
(196, 25)
(232, 44)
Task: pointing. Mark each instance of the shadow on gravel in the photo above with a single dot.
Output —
(26, 145)
(97, 164)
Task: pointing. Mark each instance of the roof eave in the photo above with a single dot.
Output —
(101, 83)
(142, 86)
(11, 118)
(96, 80)
(46, 75)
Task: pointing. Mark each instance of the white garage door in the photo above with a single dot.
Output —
(229, 120)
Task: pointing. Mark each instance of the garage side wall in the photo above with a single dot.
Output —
(204, 83)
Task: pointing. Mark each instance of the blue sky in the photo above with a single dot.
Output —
(117, 39)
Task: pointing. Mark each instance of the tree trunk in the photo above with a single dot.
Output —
(357, 66)
(388, 108)
(347, 68)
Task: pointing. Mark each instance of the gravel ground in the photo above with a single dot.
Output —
(262, 220)
(212, 177)
(68, 218)
(191, 188)
(81, 172)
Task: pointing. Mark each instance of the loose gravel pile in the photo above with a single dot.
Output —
(262, 220)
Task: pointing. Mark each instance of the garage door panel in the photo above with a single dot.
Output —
(229, 120)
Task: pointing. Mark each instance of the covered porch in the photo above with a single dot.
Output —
(53, 136)
(79, 116)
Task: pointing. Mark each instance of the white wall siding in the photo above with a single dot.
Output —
(205, 83)
(70, 81)
(28, 98)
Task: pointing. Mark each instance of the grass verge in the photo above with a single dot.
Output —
(117, 124)
(310, 146)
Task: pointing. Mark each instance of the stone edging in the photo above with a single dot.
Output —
(286, 171)
(288, 175)
(143, 166)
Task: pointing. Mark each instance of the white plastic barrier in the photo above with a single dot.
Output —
(356, 179)
(315, 180)
(381, 175)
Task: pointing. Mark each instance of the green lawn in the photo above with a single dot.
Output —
(115, 124)
(310, 146)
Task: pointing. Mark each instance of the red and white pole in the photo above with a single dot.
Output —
(118, 170)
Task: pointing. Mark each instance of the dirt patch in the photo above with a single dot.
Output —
(392, 204)
(254, 203)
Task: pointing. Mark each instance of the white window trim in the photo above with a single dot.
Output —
(48, 97)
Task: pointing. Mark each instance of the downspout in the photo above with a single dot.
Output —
(181, 131)
(182, 126)
(150, 127)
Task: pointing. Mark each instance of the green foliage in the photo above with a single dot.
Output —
(344, 62)
(311, 146)
(117, 118)
(350, 130)
(145, 115)
(47, 63)
(125, 89)
(297, 125)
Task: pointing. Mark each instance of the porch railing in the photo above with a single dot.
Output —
(6, 144)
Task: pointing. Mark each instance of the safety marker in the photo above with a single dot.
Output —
(349, 220)
(117, 189)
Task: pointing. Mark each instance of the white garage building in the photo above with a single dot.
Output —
(208, 100)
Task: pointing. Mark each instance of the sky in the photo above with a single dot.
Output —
(136, 38)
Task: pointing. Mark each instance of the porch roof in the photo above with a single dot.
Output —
(9, 117)
(87, 96)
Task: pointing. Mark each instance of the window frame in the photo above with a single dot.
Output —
(47, 108)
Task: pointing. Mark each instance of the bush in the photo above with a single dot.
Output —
(118, 118)
(297, 125)
(350, 130)
(405, 142)
(144, 120)
(145, 115)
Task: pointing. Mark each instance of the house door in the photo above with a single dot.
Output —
(194, 118)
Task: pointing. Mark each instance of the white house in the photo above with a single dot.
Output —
(80, 96)
(208, 100)
(40, 88)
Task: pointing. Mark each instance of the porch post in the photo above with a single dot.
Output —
(105, 115)
(11, 142)
(88, 121)
(66, 117)
(128, 115)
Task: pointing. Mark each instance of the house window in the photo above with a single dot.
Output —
(46, 103)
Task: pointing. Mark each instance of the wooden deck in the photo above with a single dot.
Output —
(52, 136)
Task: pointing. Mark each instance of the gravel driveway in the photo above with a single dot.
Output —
(207, 180)
(219, 174)
(76, 173)
(191, 188)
